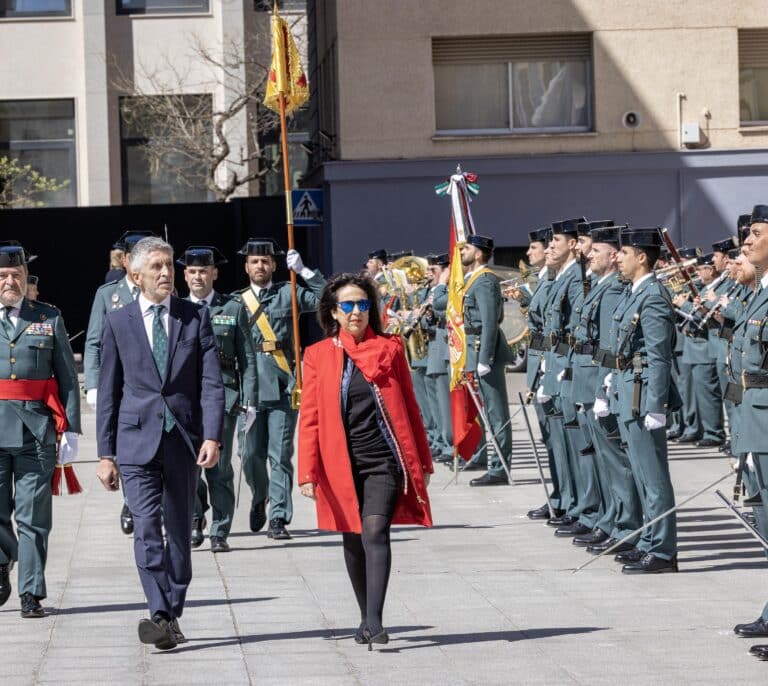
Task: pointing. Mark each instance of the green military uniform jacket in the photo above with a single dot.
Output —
(483, 313)
(275, 301)
(437, 355)
(38, 349)
(110, 296)
(566, 290)
(536, 316)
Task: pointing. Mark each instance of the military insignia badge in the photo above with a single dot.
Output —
(39, 329)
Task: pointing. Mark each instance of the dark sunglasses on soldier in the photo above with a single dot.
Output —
(346, 306)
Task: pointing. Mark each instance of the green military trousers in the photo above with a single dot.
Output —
(439, 398)
(270, 439)
(219, 485)
(493, 394)
(25, 493)
(419, 379)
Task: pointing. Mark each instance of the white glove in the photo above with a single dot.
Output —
(601, 408)
(541, 398)
(90, 397)
(543, 364)
(607, 380)
(250, 418)
(749, 463)
(68, 447)
(561, 375)
(482, 369)
(295, 264)
(654, 420)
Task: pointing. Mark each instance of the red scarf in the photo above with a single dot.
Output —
(373, 355)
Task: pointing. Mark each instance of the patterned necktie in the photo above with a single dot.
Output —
(8, 326)
(160, 353)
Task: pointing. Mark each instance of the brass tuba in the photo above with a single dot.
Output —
(415, 270)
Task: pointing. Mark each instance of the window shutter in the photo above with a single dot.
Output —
(753, 48)
(521, 48)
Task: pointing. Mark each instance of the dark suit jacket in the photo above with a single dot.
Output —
(132, 396)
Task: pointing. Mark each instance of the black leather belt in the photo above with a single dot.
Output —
(604, 358)
(752, 380)
(584, 349)
(270, 346)
(473, 330)
(537, 341)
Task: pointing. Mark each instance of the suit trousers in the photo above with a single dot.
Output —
(219, 484)
(647, 452)
(271, 439)
(690, 417)
(162, 493)
(25, 493)
(493, 395)
(709, 401)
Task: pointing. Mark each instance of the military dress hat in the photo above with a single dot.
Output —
(32, 279)
(438, 260)
(12, 254)
(397, 255)
(724, 245)
(128, 240)
(482, 242)
(642, 237)
(201, 256)
(688, 253)
(733, 254)
(743, 220)
(759, 215)
(261, 246)
(568, 226)
(704, 260)
(539, 235)
(378, 255)
(607, 234)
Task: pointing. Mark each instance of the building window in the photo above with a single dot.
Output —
(42, 133)
(282, 5)
(162, 6)
(164, 148)
(753, 77)
(513, 84)
(35, 8)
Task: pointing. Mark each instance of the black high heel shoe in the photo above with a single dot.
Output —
(382, 638)
(360, 634)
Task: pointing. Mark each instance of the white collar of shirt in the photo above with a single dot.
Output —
(764, 280)
(148, 314)
(129, 283)
(604, 277)
(13, 313)
(208, 298)
(637, 283)
(468, 274)
(257, 290)
(146, 306)
(543, 272)
(565, 266)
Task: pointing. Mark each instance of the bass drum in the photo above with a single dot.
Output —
(515, 323)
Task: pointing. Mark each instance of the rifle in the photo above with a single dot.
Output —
(586, 284)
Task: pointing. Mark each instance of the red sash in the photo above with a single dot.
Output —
(46, 390)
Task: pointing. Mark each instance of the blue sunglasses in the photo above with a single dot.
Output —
(346, 306)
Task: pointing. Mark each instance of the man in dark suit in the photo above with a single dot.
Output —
(159, 419)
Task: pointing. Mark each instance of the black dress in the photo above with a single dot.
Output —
(377, 475)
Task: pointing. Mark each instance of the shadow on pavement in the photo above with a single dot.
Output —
(129, 607)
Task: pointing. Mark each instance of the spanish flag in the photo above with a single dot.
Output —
(285, 73)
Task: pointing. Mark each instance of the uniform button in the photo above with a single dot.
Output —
(13, 360)
(12, 345)
(13, 376)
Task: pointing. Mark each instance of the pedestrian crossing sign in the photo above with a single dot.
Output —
(307, 206)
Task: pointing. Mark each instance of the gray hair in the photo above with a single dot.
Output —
(146, 246)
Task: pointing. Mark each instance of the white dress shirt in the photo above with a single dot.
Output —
(764, 280)
(13, 315)
(148, 315)
(198, 301)
(565, 266)
(258, 290)
(637, 283)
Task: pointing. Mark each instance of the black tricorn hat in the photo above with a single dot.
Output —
(584, 228)
(724, 245)
(568, 226)
(261, 246)
(705, 260)
(392, 256)
(482, 242)
(688, 253)
(128, 240)
(438, 260)
(12, 254)
(378, 255)
(201, 256)
(607, 234)
(649, 237)
(539, 235)
(733, 254)
(759, 215)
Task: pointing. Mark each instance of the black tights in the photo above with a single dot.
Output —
(369, 558)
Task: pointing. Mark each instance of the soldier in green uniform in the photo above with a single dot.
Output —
(750, 437)
(39, 399)
(643, 393)
(237, 359)
(487, 349)
(271, 436)
(110, 296)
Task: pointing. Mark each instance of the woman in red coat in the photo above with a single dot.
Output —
(363, 452)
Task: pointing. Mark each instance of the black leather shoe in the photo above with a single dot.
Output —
(757, 628)
(474, 467)
(592, 538)
(219, 545)
(753, 500)
(126, 520)
(258, 516)
(5, 583)
(673, 435)
(597, 548)
(31, 607)
(277, 530)
(564, 520)
(489, 480)
(709, 443)
(632, 555)
(198, 524)
(691, 438)
(760, 652)
(158, 632)
(575, 529)
(650, 564)
(180, 638)
(543, 512)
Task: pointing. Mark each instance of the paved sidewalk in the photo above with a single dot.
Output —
(486, 597)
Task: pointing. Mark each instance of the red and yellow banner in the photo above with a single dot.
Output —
(286, 75)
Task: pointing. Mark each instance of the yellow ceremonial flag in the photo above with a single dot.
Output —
(454, 315)
(285, 73)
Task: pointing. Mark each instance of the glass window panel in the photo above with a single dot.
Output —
(161, 6)
(282, 5)
(550, 94)
(753, 95)
(35, 8)
(471, 96)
